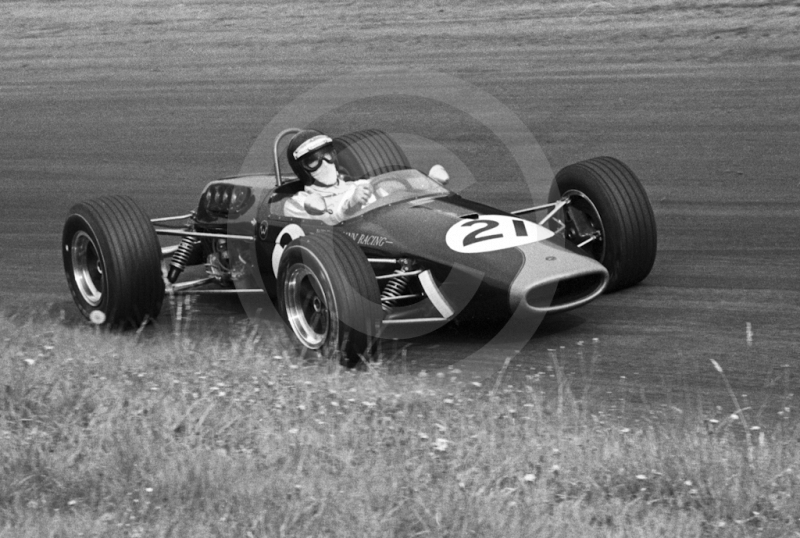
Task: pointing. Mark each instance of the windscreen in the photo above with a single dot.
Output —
(400, 186)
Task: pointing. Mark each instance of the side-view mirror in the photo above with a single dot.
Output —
(439, 174)
(315, 205)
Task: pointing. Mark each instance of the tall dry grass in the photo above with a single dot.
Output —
(105, 434)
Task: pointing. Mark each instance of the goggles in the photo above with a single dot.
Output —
(313, 161)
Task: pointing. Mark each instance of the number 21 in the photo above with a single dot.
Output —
(475, 237)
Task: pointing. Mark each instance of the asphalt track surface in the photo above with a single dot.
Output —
(716, 148)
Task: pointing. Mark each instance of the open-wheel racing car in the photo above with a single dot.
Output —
(417, 256)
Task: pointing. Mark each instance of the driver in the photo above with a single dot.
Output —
(328, 195)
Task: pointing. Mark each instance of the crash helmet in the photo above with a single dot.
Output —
(306, 152)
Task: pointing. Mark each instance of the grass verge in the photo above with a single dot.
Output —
(105, 434)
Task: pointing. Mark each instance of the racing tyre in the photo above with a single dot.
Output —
(328, 297)
(609, 217)
(112, 258)
(366, 154)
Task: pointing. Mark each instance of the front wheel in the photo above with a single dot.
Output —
(609, 217)
(112, 260)
(328, 297)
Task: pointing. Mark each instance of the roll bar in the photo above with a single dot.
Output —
(293, 130)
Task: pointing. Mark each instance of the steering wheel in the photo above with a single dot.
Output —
(391, 185)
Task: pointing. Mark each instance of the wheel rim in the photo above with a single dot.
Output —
(306, 307)
(594, 243)
(88, 270)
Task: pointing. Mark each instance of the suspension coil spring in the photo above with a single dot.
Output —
(182, 257)
(395, 287)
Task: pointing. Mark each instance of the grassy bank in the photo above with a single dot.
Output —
(125, 435)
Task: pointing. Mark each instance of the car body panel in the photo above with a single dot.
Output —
(523, 275)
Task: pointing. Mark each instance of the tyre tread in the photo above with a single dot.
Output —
(357, 295)
(632, 221)
(131, 253)
(370, 153)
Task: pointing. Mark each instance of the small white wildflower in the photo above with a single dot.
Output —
(368, 404)
(72, 502)
(441, 444)
(530, 477)
(30, 362)
(734, 416)
(755, 428)
(301, 407)
(687, 483)
(334, 403)
(448, 400)
(625, 430)
(423, 436)
(293, 431)
(555, 468)
(440, 374)
(477, 384)
(221, 393)
(149, 490)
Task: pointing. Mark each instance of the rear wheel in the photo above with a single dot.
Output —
(328, 297)
(366, 154)
(609, 217)
(112, 260)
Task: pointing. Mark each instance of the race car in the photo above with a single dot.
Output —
(413, 259)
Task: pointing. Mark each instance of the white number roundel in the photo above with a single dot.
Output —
(493, 232)
(287, 235)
